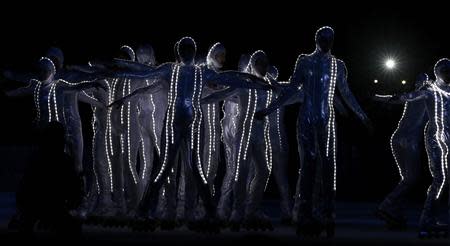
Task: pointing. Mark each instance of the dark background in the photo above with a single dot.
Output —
(416, 36)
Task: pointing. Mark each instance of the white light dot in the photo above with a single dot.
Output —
(403, 82)
(375, 81)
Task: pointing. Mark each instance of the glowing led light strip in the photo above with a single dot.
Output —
(171, 102)
(37, 92)
(55, 104)
(122, 146)
(278, 128)
(174, 101)
(111, 99)
(437, 134)
(199, 87)
(241, 142)
(425, 131)
(49, 107)
(221, 121)
(394, 154)
(268, 146)
(439, 137)
(251, 124)
(145, 159)
(129, 49)
(195, 111)
(214, 125)
(153, 124)
(109, 132)
(51, 62)
(93, 150)
(211, 49)
(130, 164)
(208, 114)
(331, 132)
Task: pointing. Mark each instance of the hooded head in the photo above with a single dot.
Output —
(146, 55)
(216, 56)
(259, 63)
(57, 56)
(442, 70)
(127, 53)
(324, 39)
(186, 50)
(47, 69)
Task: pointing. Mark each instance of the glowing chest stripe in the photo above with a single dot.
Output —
(130, 162)
(153, 120)
(52, 94)
(36, 95)
(267, 143)
(108, 134)
(331, 125)
(244, 142)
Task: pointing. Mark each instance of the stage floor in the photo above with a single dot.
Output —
(355, 225)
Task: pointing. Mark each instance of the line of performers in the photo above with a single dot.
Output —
(160, 133)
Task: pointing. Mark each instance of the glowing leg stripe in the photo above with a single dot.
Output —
(199, 87)
(208, 115)
(153, 124)
(242, 136)
(439, 138)
(168, 120)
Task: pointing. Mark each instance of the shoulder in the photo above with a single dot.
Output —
(301, 59)
(341, 64)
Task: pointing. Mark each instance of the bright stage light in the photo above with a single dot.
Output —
(390, 63)
(375, 81)
(403, 82)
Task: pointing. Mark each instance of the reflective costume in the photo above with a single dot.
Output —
(323, 79)
(56, 99)
(182, 131)
(280, 150)
(406, 147)
(253, 148)
(436, 97)
(232, 112)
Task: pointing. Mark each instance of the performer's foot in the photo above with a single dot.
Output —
(433, 230)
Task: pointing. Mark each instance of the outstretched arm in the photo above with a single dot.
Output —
(83, 85)
(153, 88)
(134, 70)
(23, 78)
(236, 79)
(289, 95)
(411, 96)
(22, 91)
(220, 95)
